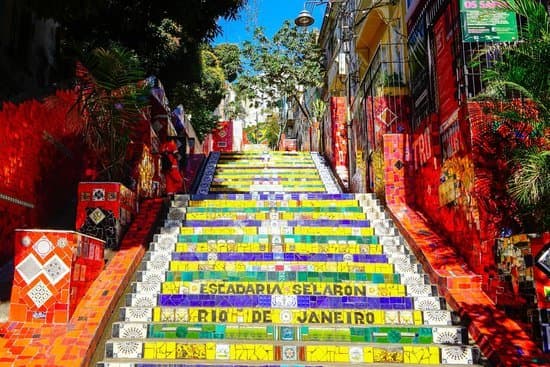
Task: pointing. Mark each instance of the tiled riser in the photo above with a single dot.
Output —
(282, 279)
(414, 280)
(145, 313)
(403, 335)
(285, 288)
(167, 350)
(290, 301)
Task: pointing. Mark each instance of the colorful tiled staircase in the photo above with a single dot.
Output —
(290, 273)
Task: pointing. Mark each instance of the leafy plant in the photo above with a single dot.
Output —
(282, 67)
(165, 34)
(111, 93)
(318, 109)
(229, 56)
(200, 98)
(520, 76)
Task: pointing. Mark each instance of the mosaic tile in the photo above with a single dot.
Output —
(457, 355)
(55, 269)
(29, 268)
(313, 254)
(130, 330)
(124, 349)
(449, 336)
(136, 314)
(40, 294)
(43, 247)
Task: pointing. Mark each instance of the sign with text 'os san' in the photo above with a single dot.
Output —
(487, 21)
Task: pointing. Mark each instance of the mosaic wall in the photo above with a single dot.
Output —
(104, 210)
(222, 137)
(30, 195)
(339, 135)
(53, 271)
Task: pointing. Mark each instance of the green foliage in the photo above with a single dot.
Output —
(201, 98)
(165, 34)
(520, 74)
(272, 131)
(318, 109)
(229, 56)
(529, 183)
(282, 66)
(111, 95)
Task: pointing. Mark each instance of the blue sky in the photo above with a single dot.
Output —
(269, 14)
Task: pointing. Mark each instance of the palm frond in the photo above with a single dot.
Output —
(530, 182)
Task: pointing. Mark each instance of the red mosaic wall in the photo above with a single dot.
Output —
(37, 145)
(53, 271)
(104, 210)
(222, 137)
(339, 135)
(443, 168)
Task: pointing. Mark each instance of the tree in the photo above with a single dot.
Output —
(201, 98)
(163, 33)
(229, 55)
(281, 67)
(521, 76)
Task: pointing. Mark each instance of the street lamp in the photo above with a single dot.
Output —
(304, 19)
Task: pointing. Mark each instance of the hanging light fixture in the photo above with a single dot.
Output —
(304, 19)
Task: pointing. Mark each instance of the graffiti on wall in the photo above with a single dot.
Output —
(422, 148)
(451, 141)
(457, 186)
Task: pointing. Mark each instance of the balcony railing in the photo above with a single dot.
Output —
(387, 69)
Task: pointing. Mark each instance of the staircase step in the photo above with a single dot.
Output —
(284, 288)
(451, 335)
(304, 276)
(287, 301)
(287, 238)
(148, 313)
(311, 352)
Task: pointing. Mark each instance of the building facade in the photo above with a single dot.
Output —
(406, 67)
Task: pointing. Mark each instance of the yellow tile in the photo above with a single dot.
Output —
(368, 354)
(379, 316)
(156, 314)
(317, 353)
(341, 354)
(170, 287)
(418, 319)
(367, 231)
(160, 350)
(421, 355)
(187, 230)
(210, 351)
(166, 315)
(263, 352)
